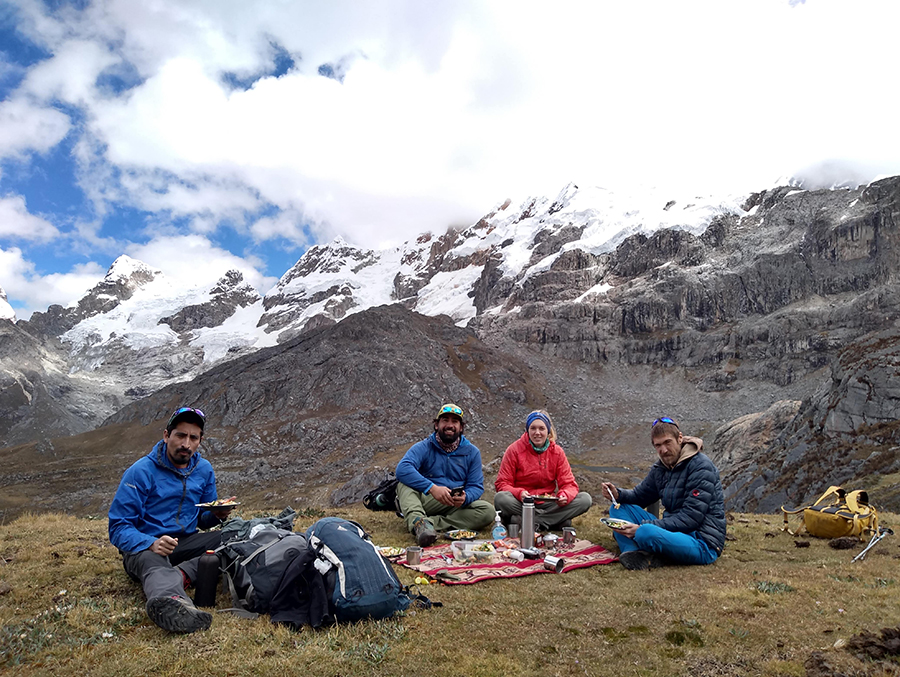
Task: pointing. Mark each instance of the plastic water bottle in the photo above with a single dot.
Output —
(499, 532)
(207, 579)
(526, 534)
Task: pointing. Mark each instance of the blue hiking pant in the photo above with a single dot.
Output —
(676, 547)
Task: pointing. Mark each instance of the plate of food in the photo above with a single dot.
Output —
(219, 503)
(614, 523)
(391, 551)
(545, 497)
(460, 535)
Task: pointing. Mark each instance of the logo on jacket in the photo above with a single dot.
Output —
(695, 493)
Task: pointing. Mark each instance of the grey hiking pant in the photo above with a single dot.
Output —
(161, 576)
(548, 514)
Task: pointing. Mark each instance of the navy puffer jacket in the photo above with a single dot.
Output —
(691, 493)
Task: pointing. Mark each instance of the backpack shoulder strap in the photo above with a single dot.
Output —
(800, 527)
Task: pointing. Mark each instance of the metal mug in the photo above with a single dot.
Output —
(513, 530)
(568, 535)
(555, 564)
(413, 555)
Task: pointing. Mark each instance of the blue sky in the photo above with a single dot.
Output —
(219, 134)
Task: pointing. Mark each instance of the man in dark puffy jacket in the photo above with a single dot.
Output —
(685, 481)
(153, 521)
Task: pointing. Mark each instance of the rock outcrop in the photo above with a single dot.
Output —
(847, 433)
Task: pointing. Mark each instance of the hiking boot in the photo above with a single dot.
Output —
(424, 532)
(177, 614)
(656, 561)
(635, 560)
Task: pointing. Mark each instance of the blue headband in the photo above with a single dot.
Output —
(535, 415)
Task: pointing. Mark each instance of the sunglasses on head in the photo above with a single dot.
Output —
(664, 419)
(450, 409)
(186, 409)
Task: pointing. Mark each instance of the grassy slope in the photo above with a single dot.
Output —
(67, 607)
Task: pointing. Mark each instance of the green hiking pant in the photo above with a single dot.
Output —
(414, 504)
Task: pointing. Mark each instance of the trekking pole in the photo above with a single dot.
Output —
(875, 538)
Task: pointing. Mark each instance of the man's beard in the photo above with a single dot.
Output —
(448, 436)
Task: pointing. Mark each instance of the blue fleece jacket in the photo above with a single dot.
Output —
(427, 464)
(156, 499)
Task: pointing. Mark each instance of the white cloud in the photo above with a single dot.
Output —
(196, 261)
(445, 110)
(17, 222)
(70, 75)
(28, 127)
(29, 291)
(286, 224)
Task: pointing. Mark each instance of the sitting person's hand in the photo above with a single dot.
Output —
(164, 545)
(442, 495)
(222, 513)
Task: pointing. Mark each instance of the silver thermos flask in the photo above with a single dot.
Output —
(526, 537)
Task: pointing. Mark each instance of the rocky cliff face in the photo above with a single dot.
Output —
(773, 295)
(39, 399)
(846, 434)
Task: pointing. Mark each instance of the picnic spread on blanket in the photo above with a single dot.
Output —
(455, 564)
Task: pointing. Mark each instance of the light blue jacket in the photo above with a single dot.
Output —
(157, 499)
(427, 464)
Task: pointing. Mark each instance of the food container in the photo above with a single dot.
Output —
(465, 550)
(550, 540)
(482, 556)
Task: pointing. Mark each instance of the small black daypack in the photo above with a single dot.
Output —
(384, 496)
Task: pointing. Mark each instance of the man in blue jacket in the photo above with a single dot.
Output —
(441, 478)
(686, 482)
(153, 521)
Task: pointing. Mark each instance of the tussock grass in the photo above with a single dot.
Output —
(67, 607)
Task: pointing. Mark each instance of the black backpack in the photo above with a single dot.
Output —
(384, 496)
(273, 572)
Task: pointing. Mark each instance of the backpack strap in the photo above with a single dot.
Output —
(241, 605)
(802, 524)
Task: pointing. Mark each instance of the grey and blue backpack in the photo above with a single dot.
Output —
(359, 581)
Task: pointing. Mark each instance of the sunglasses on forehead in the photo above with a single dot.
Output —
(665, 419)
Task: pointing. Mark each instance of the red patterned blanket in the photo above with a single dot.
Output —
(439, 558)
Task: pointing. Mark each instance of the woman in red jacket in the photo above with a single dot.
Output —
(535, 465)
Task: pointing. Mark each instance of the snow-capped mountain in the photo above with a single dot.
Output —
(6, 311)
(441, 275)
(144, 330)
